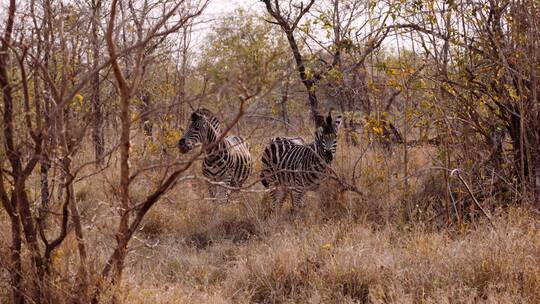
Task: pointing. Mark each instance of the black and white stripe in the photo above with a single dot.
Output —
(288, 166)
(227, 161)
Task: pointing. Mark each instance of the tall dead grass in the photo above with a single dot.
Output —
(346, 261)
(386, 246)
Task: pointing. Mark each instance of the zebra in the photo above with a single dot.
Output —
(227, 161)
(288, 166)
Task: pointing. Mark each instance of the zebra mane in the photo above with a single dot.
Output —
(328, 124)
(328, 127)
(209, 117)
(203, 112)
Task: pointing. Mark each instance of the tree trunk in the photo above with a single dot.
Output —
(44, 162)
(288, 28)
(97, 108)
(124, 90)
(11, 204)
(181, 101)
(520, 163)
(285, 98)
(146, 108)
(308, 82)
(15, 267)
(82, 292)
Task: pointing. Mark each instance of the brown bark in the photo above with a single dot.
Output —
(146, 109)
(81, 246)
(181, 97)
(98, 137)
(45, 160)
(15, 264)
(11, 204)
(142, 208)
(285, 97)
(125, 122)
(115, 264)
(288, 28)
(69, 144)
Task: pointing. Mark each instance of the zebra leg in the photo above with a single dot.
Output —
(221, 194)
(278, 196)
(227, 195)
(217, 192)
(212, 190)
(297, 199)
(226, 192)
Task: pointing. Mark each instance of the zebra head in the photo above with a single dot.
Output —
(203, 129)
(326, 136)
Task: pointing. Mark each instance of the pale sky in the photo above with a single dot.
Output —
(218, 9)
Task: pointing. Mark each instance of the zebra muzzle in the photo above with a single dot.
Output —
(183, 147)
(328, 156)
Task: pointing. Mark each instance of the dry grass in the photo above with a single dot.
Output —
(343, 261)
(343, 248)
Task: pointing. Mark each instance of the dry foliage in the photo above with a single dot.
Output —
(432, 196)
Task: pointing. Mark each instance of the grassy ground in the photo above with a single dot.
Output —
(314, 260)
(390, 245)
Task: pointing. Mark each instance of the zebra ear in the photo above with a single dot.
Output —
(338, 121)
(329, 119)
(319, 121)
(195, 116)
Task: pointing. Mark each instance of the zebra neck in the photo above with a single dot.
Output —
(317, 147)
(216, 148)
(213, 132)
(212, 136)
